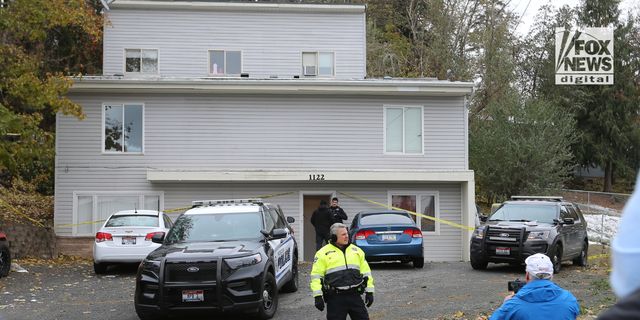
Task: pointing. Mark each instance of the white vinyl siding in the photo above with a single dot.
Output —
(271, 42)
(403, 130)
(289, 132)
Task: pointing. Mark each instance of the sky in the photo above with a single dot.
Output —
(529, 8)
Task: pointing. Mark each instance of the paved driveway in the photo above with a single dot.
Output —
(438, 291)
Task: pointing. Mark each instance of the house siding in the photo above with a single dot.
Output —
(443, 246)
(262, 132)
(214, 132)
(271, 42)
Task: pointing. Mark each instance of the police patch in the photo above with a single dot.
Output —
(315, 259)
(354, 249)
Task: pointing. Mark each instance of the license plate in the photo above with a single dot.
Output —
(388, 237)
(192, 295)
(503, 251)
(126, 241)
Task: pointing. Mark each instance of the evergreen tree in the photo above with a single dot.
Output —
(608, 122)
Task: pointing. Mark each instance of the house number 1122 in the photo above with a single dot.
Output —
(316, 177)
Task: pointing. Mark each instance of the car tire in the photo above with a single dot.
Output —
(583, 258)
(5, 260)
(292, 285)
(269, 298)
(100, 268)
(479, 265)
(556, 258)
(418, 262)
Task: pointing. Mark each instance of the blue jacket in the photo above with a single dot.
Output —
(539, 299)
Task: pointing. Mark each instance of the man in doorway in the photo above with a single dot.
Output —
(339, 216)
(322, 219)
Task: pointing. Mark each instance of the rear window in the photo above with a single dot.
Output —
(386, 219)
(132, 221)
(512, 212)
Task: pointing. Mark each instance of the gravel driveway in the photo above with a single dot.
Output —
(438, 291)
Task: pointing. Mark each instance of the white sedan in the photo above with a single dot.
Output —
(125, 237)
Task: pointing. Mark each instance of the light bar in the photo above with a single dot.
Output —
(536, 197)
(228, 201)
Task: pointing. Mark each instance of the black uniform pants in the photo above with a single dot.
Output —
(339, 306)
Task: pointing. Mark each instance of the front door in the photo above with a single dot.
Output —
(310, 204)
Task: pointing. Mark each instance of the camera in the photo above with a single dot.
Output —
(515, 286)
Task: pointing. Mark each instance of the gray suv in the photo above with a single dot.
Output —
(529, 225)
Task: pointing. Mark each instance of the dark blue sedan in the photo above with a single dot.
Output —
(387, 236)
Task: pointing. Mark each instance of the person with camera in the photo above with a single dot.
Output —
(539, 298)
(340, 275)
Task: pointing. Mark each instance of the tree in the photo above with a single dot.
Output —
(41, 43)
(608, 123)
(521, 147)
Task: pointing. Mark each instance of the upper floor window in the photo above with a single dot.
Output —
(225, 62)
(403, 130)
(123, 128)
(141, 60)
(318, 63)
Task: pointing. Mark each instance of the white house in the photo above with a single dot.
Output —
(213, 100)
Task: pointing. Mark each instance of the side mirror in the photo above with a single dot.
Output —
(157, 238)
(291, 220)
(279, 233)
(483, 217)
(568, 221)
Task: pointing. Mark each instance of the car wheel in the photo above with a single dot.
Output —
(583, 259)
(557, 258)
(100, 268)
(5, 260)
(479, 265)
(269, 298)
(418, 262)
(292, 285)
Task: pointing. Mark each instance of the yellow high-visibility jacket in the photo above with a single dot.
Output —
(340, 269)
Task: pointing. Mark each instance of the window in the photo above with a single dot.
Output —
(141, 60)
(123, 128)
(425, 202)
(225, 62)
(317, 63)
(93, 206)
(403, 130)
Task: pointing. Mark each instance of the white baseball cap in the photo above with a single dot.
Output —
(539, 263)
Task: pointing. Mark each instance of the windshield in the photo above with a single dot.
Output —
(510, 212)
(385, 219)
(132, 221)
(216, 227)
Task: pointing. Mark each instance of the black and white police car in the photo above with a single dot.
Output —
(220, 256)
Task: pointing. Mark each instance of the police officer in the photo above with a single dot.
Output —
(338, 214)
(340, 274)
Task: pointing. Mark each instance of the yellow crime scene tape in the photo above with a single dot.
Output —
(20, 213)
(600, 256)
(411, 212)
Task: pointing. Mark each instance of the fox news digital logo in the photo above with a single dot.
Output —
(584, 57)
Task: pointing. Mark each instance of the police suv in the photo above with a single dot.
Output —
(220, 256)
(527, 225)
